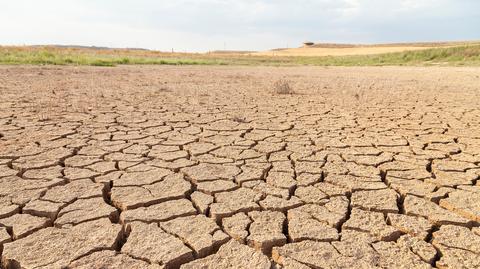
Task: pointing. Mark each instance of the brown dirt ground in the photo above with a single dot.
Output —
(208, 167)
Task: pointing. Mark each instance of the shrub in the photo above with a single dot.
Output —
(282, 87)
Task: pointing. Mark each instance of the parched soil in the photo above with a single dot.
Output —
(209, 167)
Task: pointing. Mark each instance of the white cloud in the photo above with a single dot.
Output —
(200, 25)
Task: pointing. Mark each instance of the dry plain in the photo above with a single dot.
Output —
(209, 167)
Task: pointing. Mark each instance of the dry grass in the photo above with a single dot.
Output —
(282, 86)
(459, 55)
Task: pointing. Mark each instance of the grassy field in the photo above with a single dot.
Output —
(452, 56)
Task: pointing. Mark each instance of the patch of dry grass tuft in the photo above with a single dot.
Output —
(282, 87)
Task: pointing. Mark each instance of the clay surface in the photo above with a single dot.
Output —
(209, 167)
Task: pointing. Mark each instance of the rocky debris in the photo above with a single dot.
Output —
(232, 255)
(58, 247)
(150, 243)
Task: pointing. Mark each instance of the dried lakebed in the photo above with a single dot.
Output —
(208, 167)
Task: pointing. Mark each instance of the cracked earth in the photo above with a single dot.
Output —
(207, 167)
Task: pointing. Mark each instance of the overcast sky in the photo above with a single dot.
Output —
(202, 25)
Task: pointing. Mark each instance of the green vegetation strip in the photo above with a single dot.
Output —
(461, 55)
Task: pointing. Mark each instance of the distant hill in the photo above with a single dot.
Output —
(403, 44)
(334, 49)
(88, 47)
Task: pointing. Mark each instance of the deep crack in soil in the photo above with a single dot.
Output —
(101, 169)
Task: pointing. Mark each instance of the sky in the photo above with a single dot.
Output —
(205, 25)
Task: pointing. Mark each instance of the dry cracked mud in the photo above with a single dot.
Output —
(208, 167)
